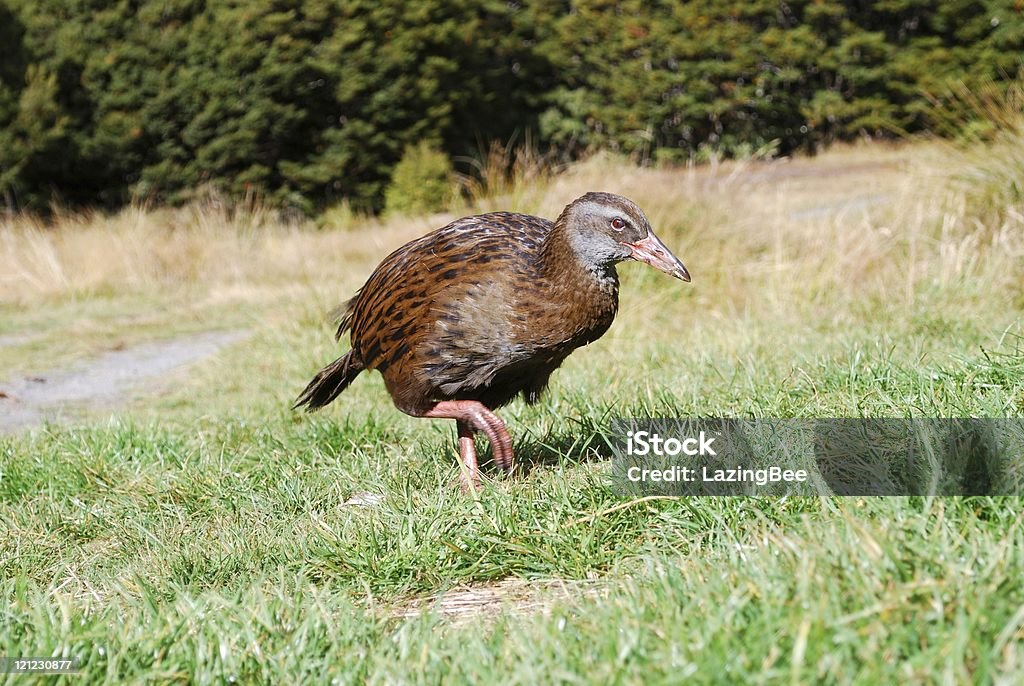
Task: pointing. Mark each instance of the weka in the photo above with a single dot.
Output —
(466, 318)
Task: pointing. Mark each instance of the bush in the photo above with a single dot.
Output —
(421, 183)
(339, 216)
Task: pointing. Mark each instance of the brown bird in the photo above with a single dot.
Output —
(464, 319)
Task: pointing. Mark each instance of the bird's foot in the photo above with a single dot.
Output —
(473, 416)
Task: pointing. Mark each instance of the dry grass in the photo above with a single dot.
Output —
(829, 240)
(138, 250)
(494, 600)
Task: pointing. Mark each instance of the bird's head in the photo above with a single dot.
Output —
(606, 228)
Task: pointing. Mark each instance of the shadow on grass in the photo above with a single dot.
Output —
(579, 441)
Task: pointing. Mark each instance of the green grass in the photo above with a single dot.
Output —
(204, 532)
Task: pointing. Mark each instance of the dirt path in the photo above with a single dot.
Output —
(10, 340)
(106, 381)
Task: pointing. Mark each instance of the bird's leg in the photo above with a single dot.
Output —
(478, 418)
(469, 471)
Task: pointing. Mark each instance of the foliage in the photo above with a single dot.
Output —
(307, 102)
(422, 181)
(339, 216)
(683, 77)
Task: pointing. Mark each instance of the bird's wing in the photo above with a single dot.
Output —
(425, 287)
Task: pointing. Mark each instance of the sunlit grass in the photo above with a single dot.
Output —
(208, 533)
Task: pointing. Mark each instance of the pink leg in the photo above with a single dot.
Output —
(477, 418)
(470, 471)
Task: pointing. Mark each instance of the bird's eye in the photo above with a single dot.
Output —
(618, 224)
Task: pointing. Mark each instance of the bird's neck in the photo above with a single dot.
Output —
(564, 259)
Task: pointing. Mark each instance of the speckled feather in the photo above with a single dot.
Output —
(467, 312)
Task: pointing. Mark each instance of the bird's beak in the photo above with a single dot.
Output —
(652, 251)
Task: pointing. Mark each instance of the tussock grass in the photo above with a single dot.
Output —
(989, 157)
(207, 533)
(893, 227)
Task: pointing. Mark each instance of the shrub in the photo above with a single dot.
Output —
(421, 183)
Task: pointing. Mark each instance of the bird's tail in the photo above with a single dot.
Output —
(330, 382)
